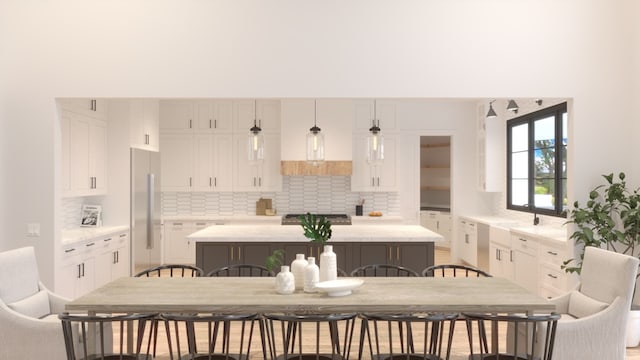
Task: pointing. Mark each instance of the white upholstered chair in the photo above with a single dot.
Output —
(594, 319)
(29, 324)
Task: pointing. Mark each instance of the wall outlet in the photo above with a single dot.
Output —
(33, 229)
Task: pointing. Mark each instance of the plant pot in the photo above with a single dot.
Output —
(633, 328)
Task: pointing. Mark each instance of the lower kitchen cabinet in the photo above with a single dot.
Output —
(525, 261)
(92, 263)
(416, 256)
(179, 249)
(468, 241)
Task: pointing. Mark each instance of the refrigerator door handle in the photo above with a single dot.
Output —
(150, 207)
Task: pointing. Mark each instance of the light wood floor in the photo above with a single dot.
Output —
(459, 349)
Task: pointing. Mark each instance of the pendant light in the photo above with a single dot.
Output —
(491, 113)
(315, 141)
(512, 106)
(375, 141)
(256, 139)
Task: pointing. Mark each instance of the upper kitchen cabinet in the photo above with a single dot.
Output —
(176, 115)
(176, 161)
(374, 177)
(384, 111)
(213, 116)
(144, 123)
(257, 176)
(266, 114)
(95, 108)
(84, 144)
(489, 139)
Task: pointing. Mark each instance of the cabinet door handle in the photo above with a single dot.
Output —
(215, 123)
(210, 181)
(511, 255)
(215, 181)
(398, 253)
(498, 254)
(209, 123)
(231, 252)
(239, 252)
(552, 276)
(82, 269)
(254, 181)
(190, 124)
(123, 235)
(190, 181)
(390, 258)
(466, 238)
(79, 271)
(373, 181)
(107, 239)
(115, 261)
(552, 253)
(378, 181)
(90, 244)
(146, 139)
(260, 181)
(69, 250)
(521, 239)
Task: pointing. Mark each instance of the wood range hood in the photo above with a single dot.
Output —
(326, 168)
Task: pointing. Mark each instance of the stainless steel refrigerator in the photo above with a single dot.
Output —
(145, 209)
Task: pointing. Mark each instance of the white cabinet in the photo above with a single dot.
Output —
(77, 270)
(179, 249)
(500, 259)
(439, 222)
(84, 156)
(176, 115)
(144, 120)
(92, 263)
(213, 115)
(176, 161)
(468, 241)
(200, 162)
(266, 113)
(489, 152)
(374, 177)
(257, 176)
(213, 166)
(112, 258)
(525, 261)
(94, 108)
(553, 280)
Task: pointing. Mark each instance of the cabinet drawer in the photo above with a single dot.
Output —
(524, 244)
(551, 255)
(552, 277)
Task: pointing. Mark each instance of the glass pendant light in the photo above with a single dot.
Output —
(375, 141)
(256, 140)
(315, 141)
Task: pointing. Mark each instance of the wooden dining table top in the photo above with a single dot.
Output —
(237, 295)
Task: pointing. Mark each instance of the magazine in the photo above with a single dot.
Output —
(91, 215)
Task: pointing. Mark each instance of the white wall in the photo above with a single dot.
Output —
(303, 48)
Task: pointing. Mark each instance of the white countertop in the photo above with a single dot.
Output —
(346, 233)
(226, 219)
(548, 232)
(71, 236)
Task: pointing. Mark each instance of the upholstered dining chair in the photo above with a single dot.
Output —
(29, 325)
(594, 314)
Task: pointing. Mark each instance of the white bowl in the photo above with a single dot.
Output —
(340, 287)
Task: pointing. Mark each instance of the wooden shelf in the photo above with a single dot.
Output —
(439, 145)
(440, 188)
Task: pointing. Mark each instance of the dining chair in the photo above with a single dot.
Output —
(169, 270)
(211, 336)
(382, 270)
(292, 336)
(418, 336)
(106, 336)
(454, 270)
(241, 270)
(527, 336)
(172, 270)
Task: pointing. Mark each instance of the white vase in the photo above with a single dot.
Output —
(285, 281)
(328, 264)
(297, 268)
(311, 275)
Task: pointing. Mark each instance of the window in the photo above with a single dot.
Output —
(537, 162)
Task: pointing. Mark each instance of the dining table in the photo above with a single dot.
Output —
(239, 295)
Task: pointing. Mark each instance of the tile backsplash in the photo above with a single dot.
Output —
(319, 194)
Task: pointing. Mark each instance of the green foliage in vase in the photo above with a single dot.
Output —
(317, 228)
(275, 260)
(610, 219)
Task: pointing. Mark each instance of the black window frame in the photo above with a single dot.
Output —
(557, 111)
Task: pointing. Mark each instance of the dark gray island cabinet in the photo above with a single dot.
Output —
(411, 246)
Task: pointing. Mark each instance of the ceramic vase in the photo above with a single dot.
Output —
(285, 281)
(297, 268)
(311, 275)
(328, 264)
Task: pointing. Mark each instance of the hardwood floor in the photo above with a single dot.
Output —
(459, 348)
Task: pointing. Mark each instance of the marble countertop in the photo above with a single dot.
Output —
(345, 233)
(71, 236)
(545, 232)
(231, 219)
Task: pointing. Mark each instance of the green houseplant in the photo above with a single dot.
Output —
(316, 227)
(610, 220)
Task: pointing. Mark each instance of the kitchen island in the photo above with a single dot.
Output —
(410, 246)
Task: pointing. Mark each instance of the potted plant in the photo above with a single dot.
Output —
(316, 227)
(610, 220)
